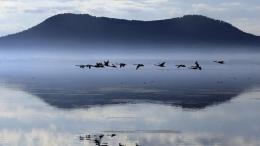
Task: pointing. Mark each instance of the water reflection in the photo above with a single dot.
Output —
(26, 120)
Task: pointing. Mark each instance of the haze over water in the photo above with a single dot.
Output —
(53, 103)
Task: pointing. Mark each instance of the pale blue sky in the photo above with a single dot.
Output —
(18, 15)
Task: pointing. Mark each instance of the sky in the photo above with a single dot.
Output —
(19, 15)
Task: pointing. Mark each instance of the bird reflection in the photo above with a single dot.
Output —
(112, 135)
(81, 138)
(121, 144)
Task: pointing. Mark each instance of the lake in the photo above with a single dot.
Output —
(55, 103)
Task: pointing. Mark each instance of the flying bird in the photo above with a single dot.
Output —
(138, 65)
(89, 66)
(81, 66)
(121, 64)
(180, 65)
(160, 64)
(196, 67)
(113, 66)
(106, 63)
(98, 65)
(220, 62)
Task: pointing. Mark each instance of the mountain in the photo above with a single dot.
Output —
(82, 31)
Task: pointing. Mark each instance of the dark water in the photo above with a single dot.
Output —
(53, 103)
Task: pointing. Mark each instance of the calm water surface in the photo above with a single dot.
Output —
(54, 103)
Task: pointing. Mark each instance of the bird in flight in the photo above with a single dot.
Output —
(113, 66)
(196, 67)
(220, 62)
(81, 66)
(160, 64)
(138, 65)
(98, 65)
(89, 66)
(106, 63)
(121, 64)
(180, 65)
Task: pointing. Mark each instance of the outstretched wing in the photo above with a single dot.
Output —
(137, 67)
(122, 65)
(162, 64)
(197, 64)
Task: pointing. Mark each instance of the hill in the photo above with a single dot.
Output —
(82, 31)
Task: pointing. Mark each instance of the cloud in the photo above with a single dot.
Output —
(247, 25)
(8, 28)
(257, 9)
(204, 7)
(231, 4)
(157, 1)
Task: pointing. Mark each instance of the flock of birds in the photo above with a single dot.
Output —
(106, 64)
(97, 139)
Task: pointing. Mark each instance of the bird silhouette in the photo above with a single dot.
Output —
(113, 66)
(180, 65)
(160, 64)
(197, 64)
(136, 144)
(196, 67)
(138, 65)
(112, 135)
(220, 62)
(97, 142)
(98, 65)
(106, 63)
(121, 64)
(101, 136)
(81, 138)
(89, 66)
(81, 66)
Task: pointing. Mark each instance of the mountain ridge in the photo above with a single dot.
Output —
(86, 31)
